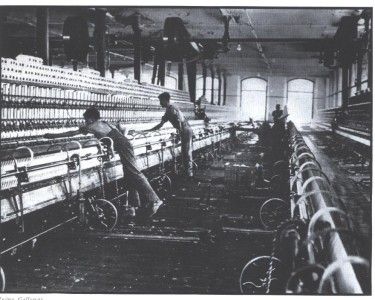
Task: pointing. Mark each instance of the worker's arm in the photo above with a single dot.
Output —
(63, 134)
(157, 127)
(164, 119)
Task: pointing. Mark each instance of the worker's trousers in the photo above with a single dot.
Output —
(141, 192)
(187, 150)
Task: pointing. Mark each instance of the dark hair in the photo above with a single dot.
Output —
(92, 113)
(277, 105)
(164, 96)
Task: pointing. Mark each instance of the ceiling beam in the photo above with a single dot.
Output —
(262, 40)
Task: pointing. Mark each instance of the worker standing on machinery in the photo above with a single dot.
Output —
(178, 121)
(137, 184)
(276, 115)
(278, 131)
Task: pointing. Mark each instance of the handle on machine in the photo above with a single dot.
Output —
(22, 148)
(21, 177)
(111, 146)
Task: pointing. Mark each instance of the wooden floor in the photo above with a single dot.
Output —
(180, 251)
(136, 266)
(193, 245)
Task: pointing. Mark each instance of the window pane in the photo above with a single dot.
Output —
(253, 105)
(208, 94)
(339, 80)
(253, 84)
(208, 89)
(300, 97)
(199, 84)
(216, 83)
(364, 78)
(301, 85)
(353, 80)
(253, 98)
(300, 107)
(198, 93)
(170, 82)
(146, 77)
(339, 99)
(199, 88)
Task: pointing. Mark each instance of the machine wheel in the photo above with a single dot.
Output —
(305, 280)
(254, 276)
(102, 215)
(279, 183)
(273, 212)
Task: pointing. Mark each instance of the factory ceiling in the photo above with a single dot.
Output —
(273, 41)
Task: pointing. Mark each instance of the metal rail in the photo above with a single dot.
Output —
(317, 202)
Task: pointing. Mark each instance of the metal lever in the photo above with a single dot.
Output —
(109, 153)
(22, 177)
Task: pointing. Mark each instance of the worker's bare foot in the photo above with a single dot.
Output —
(129, 212)
(152, 209)
(148, 211)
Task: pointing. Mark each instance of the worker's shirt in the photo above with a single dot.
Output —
(99, 129)
(276, 114)
(175, 116)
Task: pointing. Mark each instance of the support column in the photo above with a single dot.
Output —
(219, 95)
(233, 92)
(42, 34)
(155, 67)
(359, 70)
(161, 73)
(212, 85)
(180, 76)
(137, 42)
(112, 70)
(204, 73)
(191, 68)
(369, 48)
(100, 40)
(344, 86)
(3, 33)
(224, 88)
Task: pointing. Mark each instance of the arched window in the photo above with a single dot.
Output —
(300, 100)
(254, 98)
(199, 88)
(170, 82)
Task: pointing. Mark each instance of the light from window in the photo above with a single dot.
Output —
(300, 100)
(170, 82)
(199, 88)
(254, 98)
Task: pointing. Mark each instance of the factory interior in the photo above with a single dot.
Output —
(186, 150)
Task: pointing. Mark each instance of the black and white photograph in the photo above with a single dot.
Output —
(202, 150)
